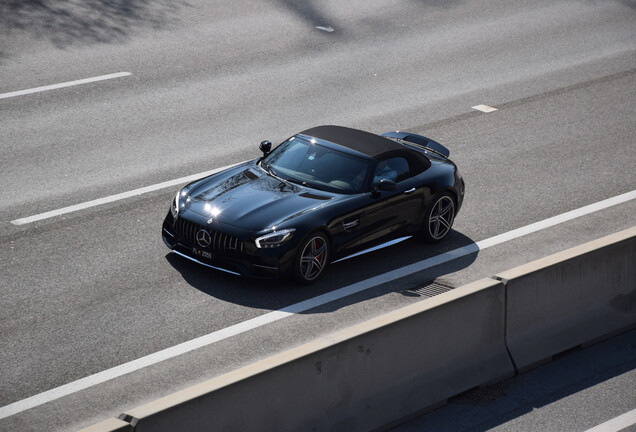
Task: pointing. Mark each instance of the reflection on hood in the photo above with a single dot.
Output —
(252, 199)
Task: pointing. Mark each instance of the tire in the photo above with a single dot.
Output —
(311, 258)
(438, 218)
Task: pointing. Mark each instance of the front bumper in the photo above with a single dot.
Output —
(231, 250)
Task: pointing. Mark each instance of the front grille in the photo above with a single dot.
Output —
(221, 242)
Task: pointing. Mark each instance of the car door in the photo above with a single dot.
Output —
(379, 216)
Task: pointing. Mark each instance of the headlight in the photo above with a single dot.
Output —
(178, 202)
(275, 239)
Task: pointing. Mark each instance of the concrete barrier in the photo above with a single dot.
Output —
(394, 366)
(110, 425)
(357, 379)
(571, 298)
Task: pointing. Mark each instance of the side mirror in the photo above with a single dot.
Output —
(387, 185)
(265, 147)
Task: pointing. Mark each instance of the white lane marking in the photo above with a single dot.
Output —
(117, 197)
(373, 249)
(303, 306)
(484, 108)
(616, 424)
(325, 29)
(64, 84)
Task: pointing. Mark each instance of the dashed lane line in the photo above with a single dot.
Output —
(116, 197)
(64, 84)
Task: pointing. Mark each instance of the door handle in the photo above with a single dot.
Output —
(410, 191)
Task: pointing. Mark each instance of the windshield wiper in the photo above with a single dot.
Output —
(269, 170)
(304, 183)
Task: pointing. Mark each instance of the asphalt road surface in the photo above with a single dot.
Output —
(560, 396)
(87, 291)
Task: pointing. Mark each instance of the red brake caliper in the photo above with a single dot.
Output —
(317, 245)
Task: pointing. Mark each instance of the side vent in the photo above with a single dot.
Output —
(250, 174)
(348, 226)
(314, 196)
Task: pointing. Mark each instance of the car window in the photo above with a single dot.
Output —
(317, 166)
(395, 169)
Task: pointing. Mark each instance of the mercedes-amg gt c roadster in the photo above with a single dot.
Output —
(324, 195)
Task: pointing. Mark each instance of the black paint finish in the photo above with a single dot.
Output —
(238, 205)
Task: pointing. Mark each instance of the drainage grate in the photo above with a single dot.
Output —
(430, 290)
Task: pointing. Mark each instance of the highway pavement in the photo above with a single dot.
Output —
(88, 291)
(560, 396)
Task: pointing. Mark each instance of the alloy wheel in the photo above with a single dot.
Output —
(313, 258)
(441, 218)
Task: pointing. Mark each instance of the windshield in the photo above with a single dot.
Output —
(311, 164)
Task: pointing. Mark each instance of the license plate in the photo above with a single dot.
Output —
(202, 253)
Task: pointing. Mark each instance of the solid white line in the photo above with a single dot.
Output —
(616, 424)
(303, 306)
(555, 220)
(63, 85)
(116, 197)
(373, 249)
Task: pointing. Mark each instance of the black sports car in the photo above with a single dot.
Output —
(324, 195)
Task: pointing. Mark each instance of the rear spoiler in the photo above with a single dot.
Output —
(419, 141)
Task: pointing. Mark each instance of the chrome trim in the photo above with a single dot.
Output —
(219, 242)
(375, 248)
(420, 146)
(204, 264)
(203, 238)
(265, 267)
(349, 225)
(410, 191)
(168, 232)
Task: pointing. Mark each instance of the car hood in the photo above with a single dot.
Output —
(247, 197)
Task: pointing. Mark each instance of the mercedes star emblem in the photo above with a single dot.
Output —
(203, 238)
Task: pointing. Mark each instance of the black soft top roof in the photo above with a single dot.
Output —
(364, 142)
(369, 144)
